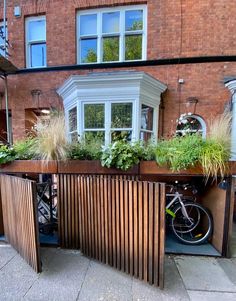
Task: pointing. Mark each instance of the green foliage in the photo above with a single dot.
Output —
(214, 158)
(23, 149)
(7, 154)
(179, 152)
(124, 155)
(86, 150)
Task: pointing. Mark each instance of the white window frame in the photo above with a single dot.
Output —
(201, 121)
(70, 133)
(121, 34)
(107, 118)
(29, 43)
(2, 45)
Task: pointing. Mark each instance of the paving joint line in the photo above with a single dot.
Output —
(89, 265)
(8, 262)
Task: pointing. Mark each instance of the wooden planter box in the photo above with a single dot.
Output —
(92, 167)
(151, 168)
(30, 166)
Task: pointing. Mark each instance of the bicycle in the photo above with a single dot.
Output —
(190, 222)
(47, 209)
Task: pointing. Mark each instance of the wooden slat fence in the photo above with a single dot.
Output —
(19, 207)
(118, 222)
(1, 218)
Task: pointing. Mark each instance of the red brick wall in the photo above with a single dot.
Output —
(197, 28)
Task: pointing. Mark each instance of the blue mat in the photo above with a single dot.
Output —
(2, 238)
(175, 247)
(48, 239)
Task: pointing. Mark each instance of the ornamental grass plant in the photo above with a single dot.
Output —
(50, 142)
(215, 153)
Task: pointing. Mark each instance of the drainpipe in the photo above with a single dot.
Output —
(232, 87)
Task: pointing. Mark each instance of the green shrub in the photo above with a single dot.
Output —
(179, 152)
(7, 154)
(90, 150)
(124, 155)
(24, 149)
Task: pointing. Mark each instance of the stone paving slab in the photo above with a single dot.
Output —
(16, 278)
(229, 267)
(105, 283)
(203, 273)
(211, 296)
(62, 277)
(68, 275)
(174, 287)
(7, 252)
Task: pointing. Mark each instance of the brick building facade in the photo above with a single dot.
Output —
(186, 40)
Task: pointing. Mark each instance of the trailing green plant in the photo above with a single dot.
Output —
(24, 149)
(50, 141)
(179, 152)
(124, 155)
(7, 154)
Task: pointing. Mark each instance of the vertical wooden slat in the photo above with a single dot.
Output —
(140, 229)
(131, 229)
(113, 226)
(119, 220)
(162, 235)
(118, 225)
(19, 204)
(122, 225)
(150, 233)
(136, 228)
(145, 230)
(1, 218)
(156, 234)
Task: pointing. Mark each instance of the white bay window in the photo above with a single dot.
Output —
(112, 106)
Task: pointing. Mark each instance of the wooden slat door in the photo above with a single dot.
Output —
(119, 222)
(19, 208)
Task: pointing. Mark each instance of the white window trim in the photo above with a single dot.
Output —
(67, 118)
(203, 125)
(28, 44)
(121, 33)
(107, 118)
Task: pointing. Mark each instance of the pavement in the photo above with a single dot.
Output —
(68, 275)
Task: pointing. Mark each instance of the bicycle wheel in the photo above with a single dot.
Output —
(193, 227)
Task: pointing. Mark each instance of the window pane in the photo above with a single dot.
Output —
(121, 115)
(110, 22)
(98, 136)
(74, 137)
(133, 20)
(2, 40)
(145, 136)
(73, 120)
(133, 47)
(188, 125)
(94, 115)
(88, 24)
(147, 118)
(37, 30)
(88, 51)
(38, 55)
(111, 49)
(121, 135)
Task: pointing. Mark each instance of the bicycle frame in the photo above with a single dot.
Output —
(177, 197)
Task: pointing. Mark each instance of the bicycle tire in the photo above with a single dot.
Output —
(192, 229)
